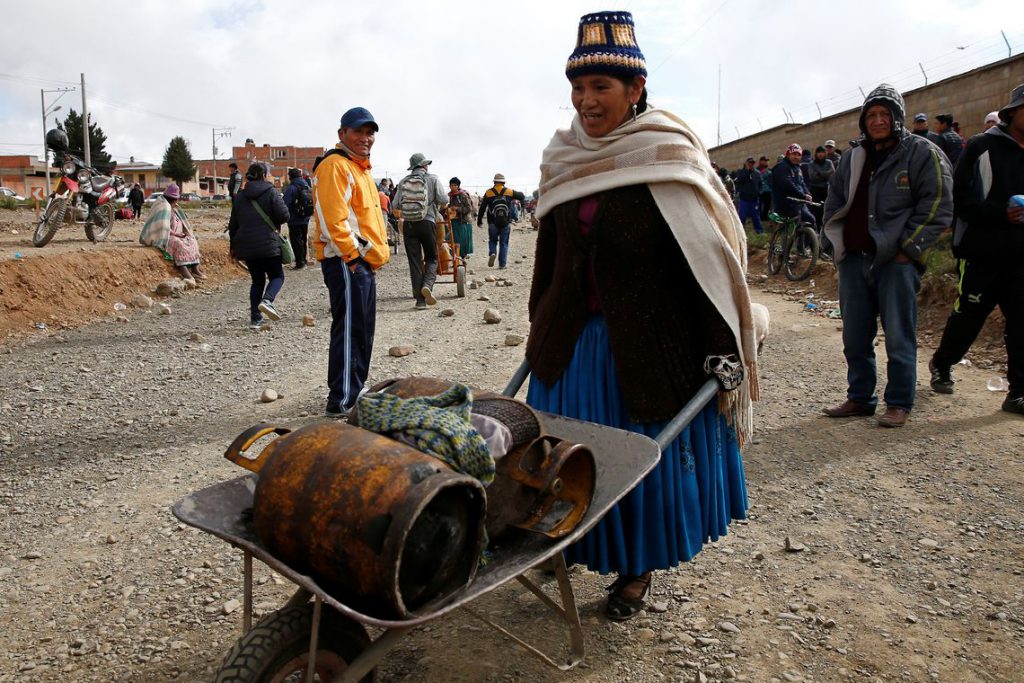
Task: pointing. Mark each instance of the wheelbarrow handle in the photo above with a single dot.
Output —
(677, 424)
(516, 383)
(671, 430)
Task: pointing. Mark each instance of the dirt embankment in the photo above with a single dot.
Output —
(72, 281)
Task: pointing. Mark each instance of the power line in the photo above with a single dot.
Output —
(139, 110)
(34, 80)
(690, 37)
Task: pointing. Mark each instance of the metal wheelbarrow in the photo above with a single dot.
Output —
(303, 641)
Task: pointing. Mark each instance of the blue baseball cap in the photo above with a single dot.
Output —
(356, 117)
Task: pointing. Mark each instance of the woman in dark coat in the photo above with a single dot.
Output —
(255, 228)
(638, 294)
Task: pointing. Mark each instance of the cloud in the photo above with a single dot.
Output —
(479, 87)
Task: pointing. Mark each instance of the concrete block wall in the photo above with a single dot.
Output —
(968, 96)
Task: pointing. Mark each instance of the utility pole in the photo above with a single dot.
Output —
(719, 104)
(47, 112)
(85, 125)
(218, 133)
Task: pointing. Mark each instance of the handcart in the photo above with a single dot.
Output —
(303, 641)
(450, 260)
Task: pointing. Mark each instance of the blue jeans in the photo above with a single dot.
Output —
(496, 234)
(867, 293)
(749, 209)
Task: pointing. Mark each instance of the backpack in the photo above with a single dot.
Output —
(303, 202)
(499, 210)
(414, 197)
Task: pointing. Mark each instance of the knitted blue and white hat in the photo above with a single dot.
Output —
(606, 44)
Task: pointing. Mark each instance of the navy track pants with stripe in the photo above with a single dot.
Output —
(353, 293)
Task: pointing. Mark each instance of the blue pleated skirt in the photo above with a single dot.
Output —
(696, 489)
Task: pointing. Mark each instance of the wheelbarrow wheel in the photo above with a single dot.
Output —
(277, 648)
(460, 281)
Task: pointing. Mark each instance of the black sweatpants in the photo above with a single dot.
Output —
(982, 287)
(353, 293)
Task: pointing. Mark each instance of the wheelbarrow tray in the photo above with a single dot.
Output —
(622, 458)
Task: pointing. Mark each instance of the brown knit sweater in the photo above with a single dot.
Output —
(661, 326)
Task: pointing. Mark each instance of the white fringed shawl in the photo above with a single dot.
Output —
(658, 149)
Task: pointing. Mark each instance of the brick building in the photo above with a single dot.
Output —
(279, 158)
(24, 172)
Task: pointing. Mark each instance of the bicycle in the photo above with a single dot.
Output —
(794, 245)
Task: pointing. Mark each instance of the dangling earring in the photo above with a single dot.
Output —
(634, 111)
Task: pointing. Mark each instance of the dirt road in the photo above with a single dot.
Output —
(912, 559)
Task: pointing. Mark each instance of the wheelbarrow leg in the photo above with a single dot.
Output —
(247, 593)
(314, 636)
(369, 658)
(567, 611)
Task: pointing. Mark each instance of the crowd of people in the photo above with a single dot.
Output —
(629, 347)
(881, 206)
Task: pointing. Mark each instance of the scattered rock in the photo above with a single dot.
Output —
(728, 627)
(490, 278)
(32, 555)
(513, 340)
(169, 287)
(269, 396)
(474, 285)
(912, 619)
(492, 317)
(401, 351)
(659, 607)
(122, 319)
(196, 337)
(446, 313)
(111, 539)
(484, 297)
(645, 633)
(230, 606)
(928, 543)
(164, 309)
(308, 320)
(794, 546)
(707, 642)
(141, 301)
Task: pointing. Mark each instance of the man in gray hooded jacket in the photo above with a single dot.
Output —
(888, 202)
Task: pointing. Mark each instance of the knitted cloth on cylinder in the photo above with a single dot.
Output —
(437, 425)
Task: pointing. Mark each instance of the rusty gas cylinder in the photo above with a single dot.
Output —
(383, 527)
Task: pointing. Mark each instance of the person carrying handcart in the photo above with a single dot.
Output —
(659, 304)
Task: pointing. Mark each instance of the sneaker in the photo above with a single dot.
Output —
(942, 380)
(256, 323)
(428, 296)
(421, 305)
(1014, 404)
(267, 308)
(334, 409)
(490, 260)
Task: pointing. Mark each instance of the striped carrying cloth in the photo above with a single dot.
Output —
(437, 425)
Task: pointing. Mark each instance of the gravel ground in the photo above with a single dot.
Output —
(904, 560)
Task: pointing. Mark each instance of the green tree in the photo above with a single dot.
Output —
(178, 164)
(72, 126)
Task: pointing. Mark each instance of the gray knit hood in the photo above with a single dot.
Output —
(890, 97)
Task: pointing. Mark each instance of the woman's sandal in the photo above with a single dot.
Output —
(620, 608)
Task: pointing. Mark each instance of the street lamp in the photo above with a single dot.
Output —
(46, 112)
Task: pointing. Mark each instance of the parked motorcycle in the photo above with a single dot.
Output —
(83, 196)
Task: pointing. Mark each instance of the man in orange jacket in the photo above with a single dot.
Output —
(351, 243)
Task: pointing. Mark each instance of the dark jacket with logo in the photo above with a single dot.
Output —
(989, 173)
(910, 199)
(251, 237)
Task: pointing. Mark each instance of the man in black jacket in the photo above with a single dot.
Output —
(748, 187)
(234, 181)
(948, 140)
(988, 192)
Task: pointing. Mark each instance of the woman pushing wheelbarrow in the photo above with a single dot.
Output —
(662, 301)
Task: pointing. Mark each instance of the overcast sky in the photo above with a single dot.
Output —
(477, 86)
